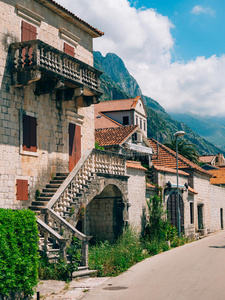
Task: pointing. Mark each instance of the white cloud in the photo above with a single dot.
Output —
(197, 10)
(143, 39)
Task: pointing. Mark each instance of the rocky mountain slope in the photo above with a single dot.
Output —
(117, 83)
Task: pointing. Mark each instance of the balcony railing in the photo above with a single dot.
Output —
(37, 55)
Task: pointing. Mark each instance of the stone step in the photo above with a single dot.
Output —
(53, 185)
(47, 194)
(36, 208)
(49, 190)
(54, 181)
(39, 203)
(85, 273)
(43, 198)
(60, 178)
(62, 174)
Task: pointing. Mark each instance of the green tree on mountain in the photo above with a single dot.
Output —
(186, 149)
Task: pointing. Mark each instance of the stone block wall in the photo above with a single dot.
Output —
(52, 121)
(217, 202)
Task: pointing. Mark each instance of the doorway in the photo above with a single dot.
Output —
(74, 145)
(200, 216)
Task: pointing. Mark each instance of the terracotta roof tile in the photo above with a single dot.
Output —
(57, 5)
(167, 158)
(218, 176)
(135, 165)
(114, 136)
(193, 191)
(206, 158)
(169, 170)
(149, 185)
(116, 105)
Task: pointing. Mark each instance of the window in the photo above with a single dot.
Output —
(144, 126)
(22, 189)
(191, 212)
(137, 120)
(69, 49)
(140, 123)
(126, 120)
(29, 133)
(28, 32)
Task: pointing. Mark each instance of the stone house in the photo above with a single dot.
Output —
(213, 160)
(201, 203)
(48, 161)
(114, 113)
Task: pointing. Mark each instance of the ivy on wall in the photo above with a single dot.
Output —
(18, 252)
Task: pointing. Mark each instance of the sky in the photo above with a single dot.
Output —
(174, 49)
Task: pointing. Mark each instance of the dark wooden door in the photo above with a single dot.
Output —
(74, 145)
(172, 209)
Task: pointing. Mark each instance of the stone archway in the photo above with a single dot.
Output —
(172, 209)
(104, 215)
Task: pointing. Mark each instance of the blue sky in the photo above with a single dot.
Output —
(174, 49)
(196, 34)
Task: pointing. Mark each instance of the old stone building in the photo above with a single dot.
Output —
(202, 203)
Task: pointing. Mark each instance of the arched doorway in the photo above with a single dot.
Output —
(172, 209)
(104, 215)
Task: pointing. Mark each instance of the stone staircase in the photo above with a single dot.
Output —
(59, 204)
(48, 192)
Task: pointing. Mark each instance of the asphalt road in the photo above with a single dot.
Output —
(193, 271)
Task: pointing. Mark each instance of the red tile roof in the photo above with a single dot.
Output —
(169, 170)
(207, 158)
(149, 185)
(218, 176)
(70, 14)
(135, 165)
(116, 105)
(193, 191)
(103, 121)
(114, 136)
(167, 158)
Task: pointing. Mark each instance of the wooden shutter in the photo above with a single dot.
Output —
(69, 49)
(22, 189)
(29, 133)
(78, 142)
(28, 32)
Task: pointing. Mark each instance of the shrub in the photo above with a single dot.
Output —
(113, 259)
(18, 252)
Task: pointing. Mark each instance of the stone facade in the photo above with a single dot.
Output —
(53, 118)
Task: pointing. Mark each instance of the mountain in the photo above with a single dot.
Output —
(117, 83)
(210, 128)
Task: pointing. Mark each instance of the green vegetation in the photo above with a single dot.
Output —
(98, 147)
(186, 149)
(18, 252)
(61, 270)
(113, 259)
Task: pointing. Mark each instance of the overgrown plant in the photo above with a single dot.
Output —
(18, 252)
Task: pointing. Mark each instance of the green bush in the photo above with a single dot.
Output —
(18, 252)
(113, 259)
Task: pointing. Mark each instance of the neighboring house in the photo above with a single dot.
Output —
(128, 140)
(114, 113)
(48, 160)
(201, 203)
(213, 160)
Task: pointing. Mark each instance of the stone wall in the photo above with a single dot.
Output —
(136, 197)
(52, 120)
(217, 202)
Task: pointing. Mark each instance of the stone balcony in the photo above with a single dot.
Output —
(54, 70)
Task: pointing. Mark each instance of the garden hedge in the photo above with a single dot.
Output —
(18, 252)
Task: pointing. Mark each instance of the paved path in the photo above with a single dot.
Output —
(194, 271)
